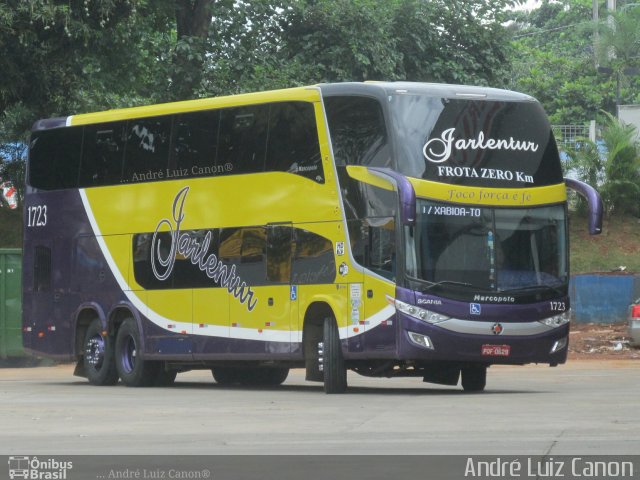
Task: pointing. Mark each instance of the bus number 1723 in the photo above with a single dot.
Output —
(37, 216)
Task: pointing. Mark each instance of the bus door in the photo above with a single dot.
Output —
(259, 289)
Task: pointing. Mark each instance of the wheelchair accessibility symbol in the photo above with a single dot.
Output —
(475, 308)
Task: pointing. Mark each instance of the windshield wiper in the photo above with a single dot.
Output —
(446, 282)
(531, 288)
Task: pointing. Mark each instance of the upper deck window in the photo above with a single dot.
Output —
(54, 156)
(147, 149)
(274, 137)
(102, 154)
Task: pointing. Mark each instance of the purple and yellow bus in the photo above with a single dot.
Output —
(390, 229)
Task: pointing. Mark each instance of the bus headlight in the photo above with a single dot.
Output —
(557, 320)
(420, 313)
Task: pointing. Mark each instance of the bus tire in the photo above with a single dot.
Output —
(474, 378)
(264, 376)
(331, 359)
(133, 370)
(225, 375)
(98, 357)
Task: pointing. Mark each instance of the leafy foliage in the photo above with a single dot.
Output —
(622, 167)
(556, 62)
(614, 167)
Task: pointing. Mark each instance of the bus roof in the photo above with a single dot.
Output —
(308, 93)
(298, 93)
(441, 90)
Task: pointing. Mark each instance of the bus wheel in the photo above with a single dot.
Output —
(133, 370)
(274, 376)
(98, 360)
(225, 375)
(331, 359)
(264, 376)
(474, 379)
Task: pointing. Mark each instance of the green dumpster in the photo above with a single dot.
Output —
(10, 303)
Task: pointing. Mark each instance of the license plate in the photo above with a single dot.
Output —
(496, 350)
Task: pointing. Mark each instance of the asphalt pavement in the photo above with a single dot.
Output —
(581, 408)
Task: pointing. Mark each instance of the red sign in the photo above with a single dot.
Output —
(496, 350)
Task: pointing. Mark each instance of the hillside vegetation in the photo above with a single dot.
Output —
(617, 246)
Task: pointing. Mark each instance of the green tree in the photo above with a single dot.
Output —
(618, 46)
(453, 41)
(613, 168)
(622, 167)
(555, 60)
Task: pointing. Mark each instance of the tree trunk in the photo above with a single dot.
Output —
(193, 18)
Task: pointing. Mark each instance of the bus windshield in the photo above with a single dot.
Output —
(489, 249)
(474, 142)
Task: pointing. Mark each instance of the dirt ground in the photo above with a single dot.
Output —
(600, 342)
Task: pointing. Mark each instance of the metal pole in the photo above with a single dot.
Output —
(595, 32)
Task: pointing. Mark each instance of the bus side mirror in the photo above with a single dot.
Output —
(406, 193)
(593, 200)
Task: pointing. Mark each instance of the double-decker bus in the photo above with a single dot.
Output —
(390, 229)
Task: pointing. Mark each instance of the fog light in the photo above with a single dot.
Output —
(421, 340)
(559, 345)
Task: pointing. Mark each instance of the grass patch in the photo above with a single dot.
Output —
(617, 245)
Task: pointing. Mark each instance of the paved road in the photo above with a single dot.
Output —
(577, 409)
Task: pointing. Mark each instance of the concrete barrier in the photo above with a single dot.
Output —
(601, 298)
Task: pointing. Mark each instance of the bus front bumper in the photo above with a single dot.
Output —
(508, 342)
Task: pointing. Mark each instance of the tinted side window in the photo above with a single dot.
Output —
(184, 273)
(313, 261)
(359, 238)
(381, 257)
(102, 154)
(230, 245)
(373, 244)
(254, 255)
(358, 132)
(293, 141)
(54, 158)
(195, 144)
(253, 260)
(279, 249)
(243, 139)
(147, 149)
